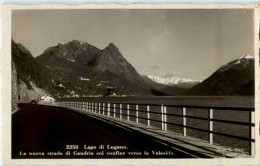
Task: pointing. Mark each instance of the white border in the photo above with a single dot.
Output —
(5, 62)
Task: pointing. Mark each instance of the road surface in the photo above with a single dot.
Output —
(50, 132)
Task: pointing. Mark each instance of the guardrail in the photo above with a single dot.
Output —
(107, 109)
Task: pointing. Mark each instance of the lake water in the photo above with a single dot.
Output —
(213, 101)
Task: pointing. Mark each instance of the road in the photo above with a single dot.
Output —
(38, 130)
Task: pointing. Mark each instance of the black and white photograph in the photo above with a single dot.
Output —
(132, 83)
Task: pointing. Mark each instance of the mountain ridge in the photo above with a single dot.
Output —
(173, 80)
(92, 64)
(78, 68)
(234, 78)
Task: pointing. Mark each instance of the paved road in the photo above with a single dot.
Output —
(47, 129)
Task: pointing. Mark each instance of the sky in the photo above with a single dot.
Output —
(189, 43)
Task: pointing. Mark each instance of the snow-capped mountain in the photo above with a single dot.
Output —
(241, 62)
(171, 80)
(233, 78)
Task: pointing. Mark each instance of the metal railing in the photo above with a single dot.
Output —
(107, 109)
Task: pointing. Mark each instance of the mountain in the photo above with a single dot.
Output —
(170, 84)
(110, 59)
(25, 64)
(27, 78)
(234, 78)
(78, 68)
(159, 89)
(173, 80)
(86, 70)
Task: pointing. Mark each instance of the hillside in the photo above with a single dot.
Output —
(27, 78)
(87, 70)
(79, 69)
(234, 78)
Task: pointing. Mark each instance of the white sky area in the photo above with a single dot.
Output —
(192, 43)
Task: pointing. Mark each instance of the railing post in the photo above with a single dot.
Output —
(128, 118)
(92, 107)
(108, 109)
(162, 116)
(252, 132)
(184, 121)
(103, 108)
(136, 110)
(120, 111)
(211, 126)
(148, 115)
(165, 118)
(114, 110)
(98, 108)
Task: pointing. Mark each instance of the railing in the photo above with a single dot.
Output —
(106, 108)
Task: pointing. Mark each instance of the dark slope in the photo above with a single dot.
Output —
(25, 65)
(92, 71)
(34, 78)
(234, 78)
(28, 80)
